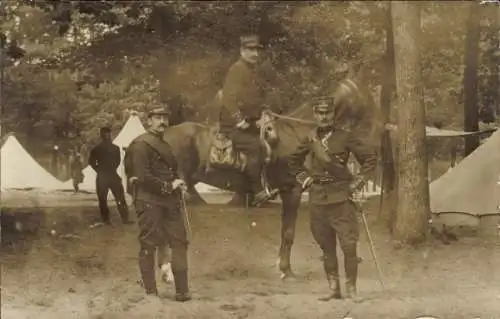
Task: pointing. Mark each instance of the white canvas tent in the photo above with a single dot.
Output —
(21, 171)
(470, 191)
(132, 129)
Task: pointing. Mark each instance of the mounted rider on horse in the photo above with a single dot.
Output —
(242, 105)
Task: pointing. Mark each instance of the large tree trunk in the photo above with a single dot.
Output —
(471, 110)
(492, 102)
(495, 83)
(2, 66)
(388, 197)
(413, 189)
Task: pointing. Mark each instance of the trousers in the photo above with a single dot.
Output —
(330, 221)
(105, 183)
(160, 225)
(248, 142)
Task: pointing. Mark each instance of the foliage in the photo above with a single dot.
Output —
(83, 64)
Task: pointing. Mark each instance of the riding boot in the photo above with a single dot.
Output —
(253, 172)
(147, 268)
(181, 285)
(351, 272)
(332, 275)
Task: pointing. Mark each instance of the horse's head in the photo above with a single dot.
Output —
(355, 107)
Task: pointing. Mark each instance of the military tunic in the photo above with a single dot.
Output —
(328, 163)
(332, 213)
(243, 95)
(157, 204)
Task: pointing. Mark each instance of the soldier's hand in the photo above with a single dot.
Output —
(179, 184)
(357, 197)
(357, 184)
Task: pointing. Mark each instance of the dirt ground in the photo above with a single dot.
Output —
(233, 274)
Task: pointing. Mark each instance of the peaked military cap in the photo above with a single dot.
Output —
(158, 111)
(322, 102)
(250, 41)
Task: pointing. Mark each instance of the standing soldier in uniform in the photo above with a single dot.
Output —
(330, 186)
(152, 167)
(105, 159)
(242, 105)
(76, 167)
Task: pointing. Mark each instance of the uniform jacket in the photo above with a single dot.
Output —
(155, 168)
(105, 159)
(329, 153)
(243, 94)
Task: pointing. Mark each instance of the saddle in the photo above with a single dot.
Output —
(222, 153)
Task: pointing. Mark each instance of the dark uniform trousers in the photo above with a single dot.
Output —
(334, 220)
(104, 183)
(248, 142)
(160, 224)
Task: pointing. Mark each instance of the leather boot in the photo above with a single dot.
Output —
(253, 171)
(351, 272)
(334, 284)
(181, 285)
(147, 268)
(330, 265)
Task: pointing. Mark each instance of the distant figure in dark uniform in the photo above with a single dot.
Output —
(242, 103)
(76, 167)
(105, 159)
(331, 185)
(152, 168)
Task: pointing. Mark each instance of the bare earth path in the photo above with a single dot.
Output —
(233, 275)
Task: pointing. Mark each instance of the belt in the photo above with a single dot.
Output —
(324, 180)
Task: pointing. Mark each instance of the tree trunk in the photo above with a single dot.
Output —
(413, 189)
(494, 63)
(496, 71)
(471, 110)
(388, 198)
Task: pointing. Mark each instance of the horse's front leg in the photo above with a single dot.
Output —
(290, 206)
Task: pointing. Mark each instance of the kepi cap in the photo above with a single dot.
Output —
(159, 111)
(322, 102)
(250, 41)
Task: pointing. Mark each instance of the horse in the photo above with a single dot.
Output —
(191, 143)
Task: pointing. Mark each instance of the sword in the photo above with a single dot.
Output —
(185, 216)
(370, 242)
